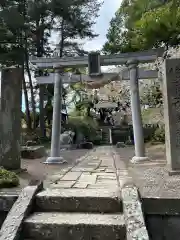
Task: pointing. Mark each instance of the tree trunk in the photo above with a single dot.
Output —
(40, 52)
(62, 40)
(31, 89)
(10, 121)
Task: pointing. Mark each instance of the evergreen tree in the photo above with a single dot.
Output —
(26, 27)
(142, 24)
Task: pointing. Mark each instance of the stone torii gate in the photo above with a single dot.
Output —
(93, 62)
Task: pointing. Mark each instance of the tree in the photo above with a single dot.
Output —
(143, 24)
(158, 27)
(11, 50)
(29, 33)
(78, 25)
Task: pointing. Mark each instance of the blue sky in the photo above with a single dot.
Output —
(106, 13)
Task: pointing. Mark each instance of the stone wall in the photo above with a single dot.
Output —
(123, 134)
(163, 227)
(162, 217)
(3, 215)
(6, 202)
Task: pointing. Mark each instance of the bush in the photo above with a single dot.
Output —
(97, 140)
(8, 179)
(159, 135)
(85, 125)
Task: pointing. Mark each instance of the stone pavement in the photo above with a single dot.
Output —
(108, 167)
(95, 170)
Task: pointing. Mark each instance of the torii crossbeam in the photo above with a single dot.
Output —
(105, 60)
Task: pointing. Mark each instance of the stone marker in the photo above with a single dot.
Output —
(120, 145)
(33, 152)
(171, 93)
(10, 120)
(66, 138)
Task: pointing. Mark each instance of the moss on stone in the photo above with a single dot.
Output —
(8, 179)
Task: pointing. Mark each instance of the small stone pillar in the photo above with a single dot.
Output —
(56, 123)
(10, 118)
(110, 136)
(136, 113)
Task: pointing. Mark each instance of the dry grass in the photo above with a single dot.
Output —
(152, 116)
(156, 152)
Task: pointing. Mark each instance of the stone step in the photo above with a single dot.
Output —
(74, 226)
(79, 200)
(106, 138)
(105, 134)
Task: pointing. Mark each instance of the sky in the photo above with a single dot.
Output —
(106, 13)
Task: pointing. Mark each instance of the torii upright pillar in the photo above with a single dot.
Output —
(136, 113)
(55, 157)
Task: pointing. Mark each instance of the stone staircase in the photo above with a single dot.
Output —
(93, 200)
(74, 214)
(105, 136)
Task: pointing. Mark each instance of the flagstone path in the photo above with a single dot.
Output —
(95, 170)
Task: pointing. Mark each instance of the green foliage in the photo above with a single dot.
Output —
(85, 125)
(152, 96)
(82, 102)
(11, 24)
(26, 27)
(118, 38)
(97, 140)
(158, 27)
(159, 135)
(143, 24)
(8, 179)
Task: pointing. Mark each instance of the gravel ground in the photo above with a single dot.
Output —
(151, 177)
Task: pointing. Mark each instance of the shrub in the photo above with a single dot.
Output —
(97, 140)
(85, 125)
(8, 179)
(159, 135)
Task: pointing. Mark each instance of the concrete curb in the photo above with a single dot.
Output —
(11, 227)
(133, 215)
